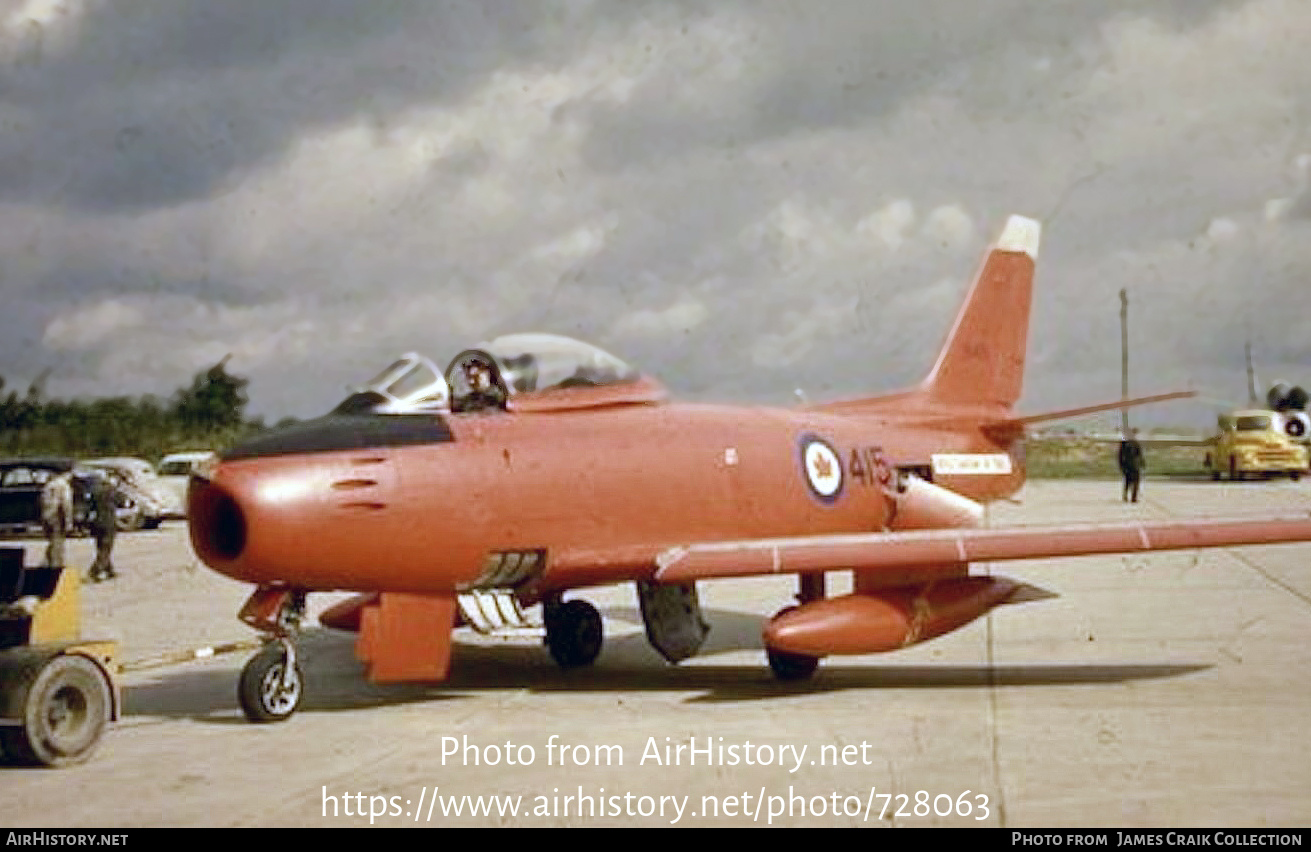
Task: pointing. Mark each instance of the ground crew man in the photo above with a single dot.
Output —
(1131, 465)
(57, 516)
(104, 524)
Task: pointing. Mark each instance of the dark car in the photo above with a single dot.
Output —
(21, 481)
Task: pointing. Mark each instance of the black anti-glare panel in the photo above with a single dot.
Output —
(344, 432)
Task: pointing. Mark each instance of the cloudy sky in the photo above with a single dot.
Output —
(741, 198)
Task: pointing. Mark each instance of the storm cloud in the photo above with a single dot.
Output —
(741, 198)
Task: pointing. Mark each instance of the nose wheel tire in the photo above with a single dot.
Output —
(264, 694)
(65, 710)
(573, 633)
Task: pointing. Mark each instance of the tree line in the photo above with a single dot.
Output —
(208, 415)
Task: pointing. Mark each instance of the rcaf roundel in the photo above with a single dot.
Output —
(822, 468)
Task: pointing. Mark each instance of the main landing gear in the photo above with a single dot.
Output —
(272, 683)
(573, 632)
(786, 665)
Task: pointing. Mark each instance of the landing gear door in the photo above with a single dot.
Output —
(672, 615)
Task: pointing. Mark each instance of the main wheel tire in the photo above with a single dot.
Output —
(1295, 475)
(260, 690)
(787, 666)
(1234, 476)
(574, 634)
(65, 711)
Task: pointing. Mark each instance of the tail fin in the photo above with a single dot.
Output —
(982, 362)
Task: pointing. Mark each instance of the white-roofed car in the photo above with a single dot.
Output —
(144, 500)
(175, 471)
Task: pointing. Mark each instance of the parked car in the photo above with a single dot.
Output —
(144, 499)
(21, 482)
(175, 471)
(1255, 443)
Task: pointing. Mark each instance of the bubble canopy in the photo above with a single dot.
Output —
(489, 375)
(539, 362)
(411, 384)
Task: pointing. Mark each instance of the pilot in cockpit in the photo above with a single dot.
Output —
(484, 393)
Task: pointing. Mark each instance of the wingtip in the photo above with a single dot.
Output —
(1021, 235)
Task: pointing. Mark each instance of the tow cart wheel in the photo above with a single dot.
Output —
(789, 666)
(574, 634)
(65, 711)
(263, 696)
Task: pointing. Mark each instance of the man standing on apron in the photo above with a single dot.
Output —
(1131, 465)
(104, 524)
(56, 516)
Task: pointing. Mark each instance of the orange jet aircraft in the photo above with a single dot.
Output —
(537, 465)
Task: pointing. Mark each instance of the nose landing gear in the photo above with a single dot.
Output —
(272, 683)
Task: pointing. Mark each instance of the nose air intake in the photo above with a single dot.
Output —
(218, 526)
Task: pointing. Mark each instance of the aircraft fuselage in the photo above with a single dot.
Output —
(598, 492)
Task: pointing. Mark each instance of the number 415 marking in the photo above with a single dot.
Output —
(870, 467)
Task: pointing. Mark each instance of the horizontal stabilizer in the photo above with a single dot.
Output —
(1093, 409)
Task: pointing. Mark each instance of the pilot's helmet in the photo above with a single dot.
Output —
(479, 374)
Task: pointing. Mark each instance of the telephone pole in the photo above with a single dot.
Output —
(1251, 377)
(1124, 360)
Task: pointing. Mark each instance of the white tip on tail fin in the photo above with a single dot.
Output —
(1022, 235)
